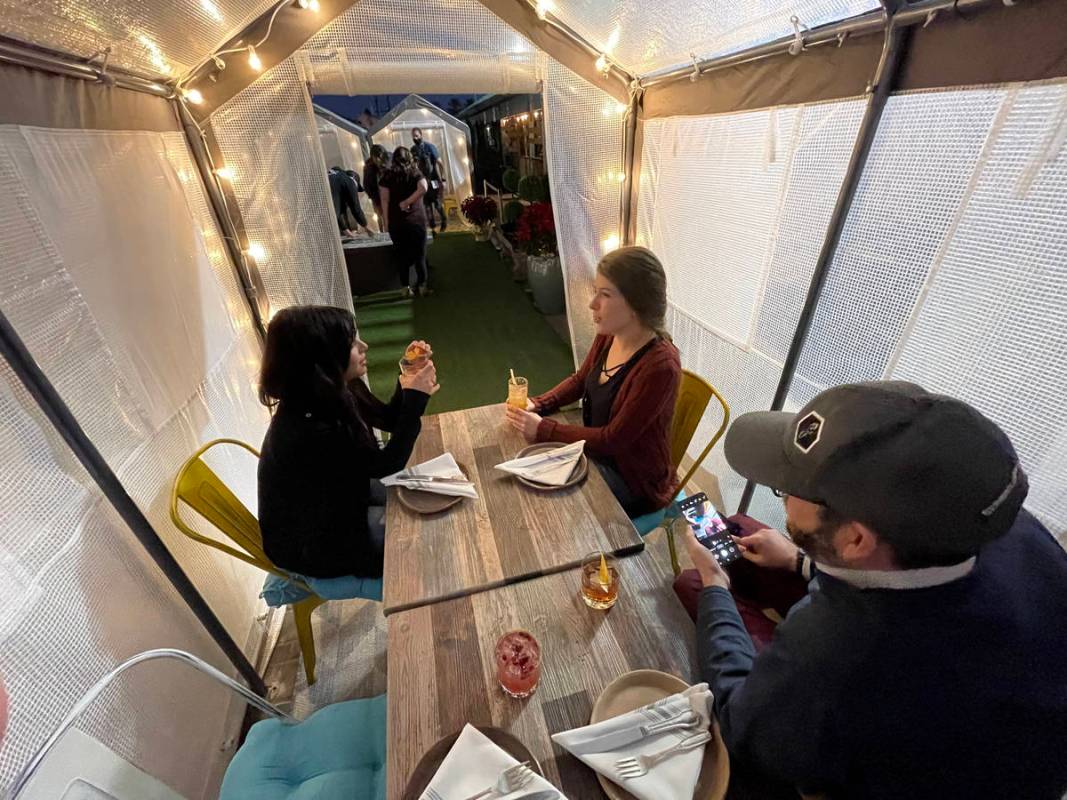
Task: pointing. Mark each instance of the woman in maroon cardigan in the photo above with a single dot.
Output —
(628, 385)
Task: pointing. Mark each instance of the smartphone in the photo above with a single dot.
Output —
(710, 528)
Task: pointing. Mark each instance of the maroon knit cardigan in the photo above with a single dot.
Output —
(637, 436)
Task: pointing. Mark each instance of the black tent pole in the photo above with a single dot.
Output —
(31, 376)
(885, 78)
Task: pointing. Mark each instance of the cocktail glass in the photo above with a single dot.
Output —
(518, 663)
(600, 580)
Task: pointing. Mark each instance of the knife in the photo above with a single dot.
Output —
(613, 741)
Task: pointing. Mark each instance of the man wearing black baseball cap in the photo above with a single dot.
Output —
(929, 657)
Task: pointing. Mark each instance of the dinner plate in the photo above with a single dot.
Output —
(429, 502)
(578, 474)
(639, 688)
(432, 758)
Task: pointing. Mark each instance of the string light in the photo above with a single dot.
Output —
(308, 5)
(226, 173)
(193, 96)
(256, 252)
(253, 58)
(612, 242)
(543, 7)
(211, 9)
(602, 65)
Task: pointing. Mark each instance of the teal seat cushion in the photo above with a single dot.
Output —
(338, 753)
(647, 523)
(278, 591)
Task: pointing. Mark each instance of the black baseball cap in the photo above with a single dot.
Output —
(893, 456)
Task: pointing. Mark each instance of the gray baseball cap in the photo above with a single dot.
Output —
(893, 456)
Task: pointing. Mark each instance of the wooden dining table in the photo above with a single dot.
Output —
(442, 673)
(509, 533)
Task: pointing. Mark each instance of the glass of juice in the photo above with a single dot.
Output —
(600, 580)
(518, 663)
(517, 392)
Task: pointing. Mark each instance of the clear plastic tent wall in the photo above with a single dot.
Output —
(115, 275)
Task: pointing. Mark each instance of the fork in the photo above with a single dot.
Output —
(511, 780)
(636, 766)
(431, 794)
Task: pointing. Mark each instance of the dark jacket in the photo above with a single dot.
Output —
(637, 436)
(952, 691)
(314, 482)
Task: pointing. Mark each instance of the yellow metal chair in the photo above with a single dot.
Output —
(694, 395)
(200, 488)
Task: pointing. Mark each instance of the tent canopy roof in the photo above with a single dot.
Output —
(414, 102)
(165, 39)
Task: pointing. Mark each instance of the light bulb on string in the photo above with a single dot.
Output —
(226, 173)
(256, 252)
(193, 96)
(253, 59)
(543, 7)
(601, 64)
(612, 242)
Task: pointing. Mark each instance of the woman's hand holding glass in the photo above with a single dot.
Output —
(425, 380)
(525, 422)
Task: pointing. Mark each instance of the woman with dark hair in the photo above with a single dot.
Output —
(372, 173)
(321, 506)
(628, 385)
(402, 188)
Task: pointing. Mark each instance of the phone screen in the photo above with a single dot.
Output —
(710, 528)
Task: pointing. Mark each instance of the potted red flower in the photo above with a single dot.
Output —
(480, 211)
(536, 235)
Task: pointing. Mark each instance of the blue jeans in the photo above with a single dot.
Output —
(634, 505)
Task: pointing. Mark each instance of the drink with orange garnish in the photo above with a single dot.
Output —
(600, 581)
(415, 358)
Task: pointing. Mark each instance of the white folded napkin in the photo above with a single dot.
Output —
(672, 779)
(553, 467)
(474, 763)
(420, 477)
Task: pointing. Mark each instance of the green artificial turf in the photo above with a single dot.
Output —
(479, 322)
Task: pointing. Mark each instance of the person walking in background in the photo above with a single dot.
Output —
(429, 161)
(402, 188)
(344, 191)
(376, 165)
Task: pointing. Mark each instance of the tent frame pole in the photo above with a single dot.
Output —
(629, 156)
(40, 388)
(228, 214)
(15, 52)
(885, 77)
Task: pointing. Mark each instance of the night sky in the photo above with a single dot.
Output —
(352, 107)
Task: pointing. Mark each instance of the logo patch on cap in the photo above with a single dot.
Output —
(809, 430)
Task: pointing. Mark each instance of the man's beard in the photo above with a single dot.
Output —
(818, 544)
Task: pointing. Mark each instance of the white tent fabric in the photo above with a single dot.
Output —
(115, 275)
(736, 205)
(165, 40)
(952, 269)
(268, 137)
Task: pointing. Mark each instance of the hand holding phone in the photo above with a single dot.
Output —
(710, 529)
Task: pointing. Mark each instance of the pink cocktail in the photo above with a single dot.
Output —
(518, 663)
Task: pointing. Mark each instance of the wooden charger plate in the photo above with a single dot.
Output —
(432, 758)
(429, 502)
(578, 474)
(639, 688)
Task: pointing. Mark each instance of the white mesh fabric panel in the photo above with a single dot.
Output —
(736, 206)
(969, 291)
(583, 146)
(428, 46)
(147, 391)
(645, 37)
(268, 136)
(164, 40)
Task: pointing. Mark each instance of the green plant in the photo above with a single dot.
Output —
(512, 211)
(533, 189)
(510, 179)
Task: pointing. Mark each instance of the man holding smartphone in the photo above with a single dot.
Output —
(927, 659)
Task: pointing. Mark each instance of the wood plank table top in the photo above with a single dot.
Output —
(442, 673)
(510, 533)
